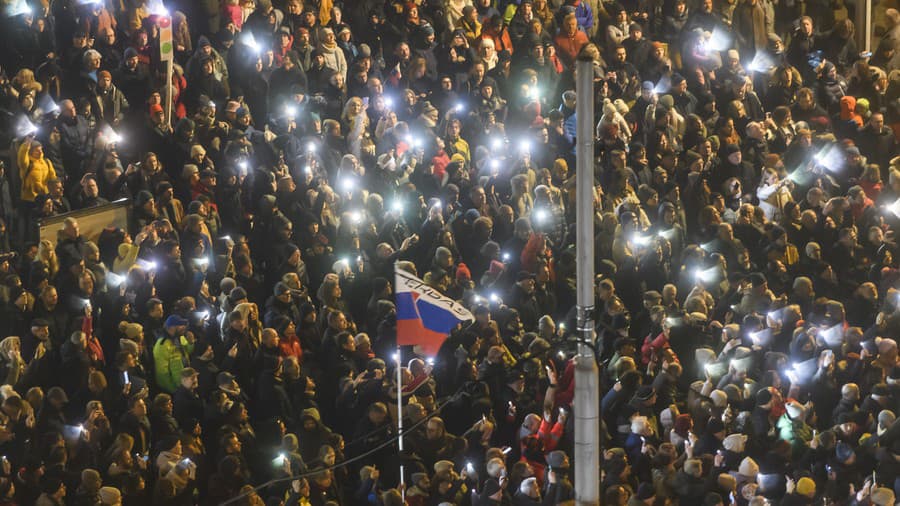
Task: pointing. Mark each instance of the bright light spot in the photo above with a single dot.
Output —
(525, 146)
(146, 265)
(506, 257)
(720, 40)
(830, 157)
(541, 215)
(494, 297)
(895, 207)
(114, 279)
(348, 184)
(311, 147)
(291, 112)
(761, 62)
(496, 143)
(706, 275)
(561, 354)
(664, 84)
(26, 127)
(356, 216)
(395, 357)
(640, 240)
(157, 8)
(397, 205)
(250, 41)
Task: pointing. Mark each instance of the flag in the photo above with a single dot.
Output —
(424, 316)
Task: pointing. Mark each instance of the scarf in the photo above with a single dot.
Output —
(329, 47)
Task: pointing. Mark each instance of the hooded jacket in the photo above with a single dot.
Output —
(170, 357)
(34, 173)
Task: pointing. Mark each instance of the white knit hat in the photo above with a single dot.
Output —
(748, 468)
(735, 443)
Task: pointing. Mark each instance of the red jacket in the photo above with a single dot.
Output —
(501, 40)
(568, 47)
(290, 347)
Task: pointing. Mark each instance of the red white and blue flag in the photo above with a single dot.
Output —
(424, 316)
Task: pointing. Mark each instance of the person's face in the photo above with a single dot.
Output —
(807, 26)
(68, 110)
(139, 409)
(433, 431)
(571, 25)
(403, 51)
(877, 122)
(478, 197)
(340, 322)
(621, 54)
(104, 82)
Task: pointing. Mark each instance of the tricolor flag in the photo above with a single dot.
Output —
(424, 316)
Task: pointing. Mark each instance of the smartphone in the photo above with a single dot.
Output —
(365, 101)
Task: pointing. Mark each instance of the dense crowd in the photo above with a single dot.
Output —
(236, 342)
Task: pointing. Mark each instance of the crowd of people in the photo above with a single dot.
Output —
(236, 342)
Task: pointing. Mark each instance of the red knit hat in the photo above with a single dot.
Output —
(463, 272)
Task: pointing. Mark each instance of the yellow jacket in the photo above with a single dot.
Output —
(34, 173)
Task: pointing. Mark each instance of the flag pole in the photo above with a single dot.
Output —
(399, 401)
(400, 421)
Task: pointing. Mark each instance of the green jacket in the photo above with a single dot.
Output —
(170, 359)
(797, 433)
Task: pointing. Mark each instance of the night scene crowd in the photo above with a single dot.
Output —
(236, 341)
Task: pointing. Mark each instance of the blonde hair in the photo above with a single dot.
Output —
(48, 257)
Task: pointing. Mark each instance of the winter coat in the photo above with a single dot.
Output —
(170, 358)
(34, 173)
